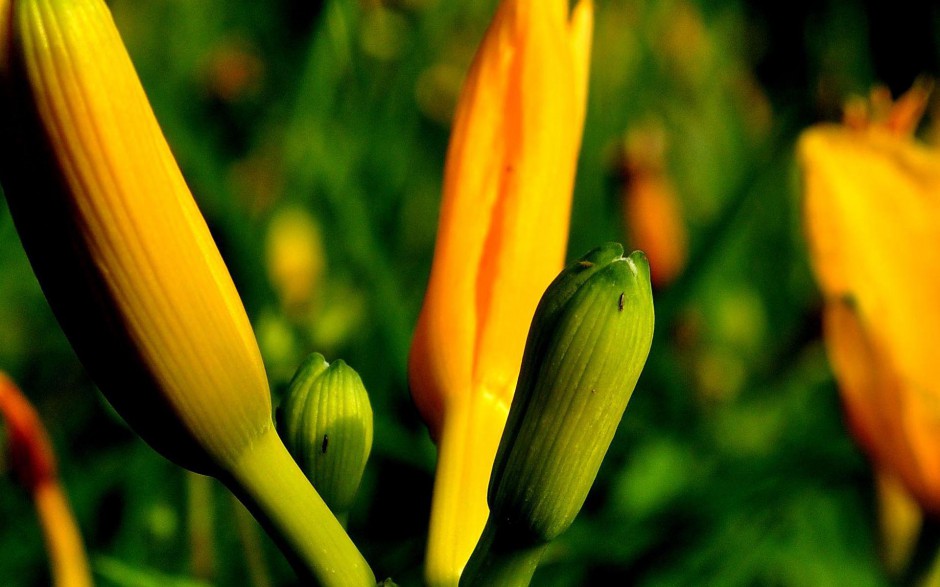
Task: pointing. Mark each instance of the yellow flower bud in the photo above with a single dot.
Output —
(133, 275)
(501, 239)
(295, 259)
(900, 520)
(118, 244)
(652, 209)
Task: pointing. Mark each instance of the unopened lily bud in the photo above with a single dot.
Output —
(590, 339)
(116, 240)
(134, 277)
(586, 348)
(501, 239)
(326, 423)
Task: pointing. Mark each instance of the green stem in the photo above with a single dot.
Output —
(500, 561)
(270, 484)
(252, 549)
(201, 543)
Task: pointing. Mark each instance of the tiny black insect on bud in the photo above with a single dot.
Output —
(583, 357)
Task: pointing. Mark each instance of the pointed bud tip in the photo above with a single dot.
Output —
(640, 265)
(312, 366)
(604, 254)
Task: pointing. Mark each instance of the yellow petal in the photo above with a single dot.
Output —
(868, 384)
(120, 248)
(872, 207)
(582, 31)
(899, 520)
(501, 239)
(6, 36)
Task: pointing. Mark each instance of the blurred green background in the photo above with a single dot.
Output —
(322, 127)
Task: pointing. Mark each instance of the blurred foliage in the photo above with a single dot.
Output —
(732, 466)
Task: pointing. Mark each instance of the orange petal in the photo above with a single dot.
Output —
(34, 462)
(31, 451)
(502, 237)
(872, 209)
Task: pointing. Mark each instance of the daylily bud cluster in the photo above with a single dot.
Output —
(134, 277)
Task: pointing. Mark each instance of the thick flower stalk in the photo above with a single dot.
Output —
(133, 275)
(34, 462)
(501, 239)
(872, 216)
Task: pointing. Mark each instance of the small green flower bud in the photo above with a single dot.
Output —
(326, 423)
(587, 345)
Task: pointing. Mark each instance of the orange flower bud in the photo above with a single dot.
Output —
(34, 462)
(501, 239)
(652, 212)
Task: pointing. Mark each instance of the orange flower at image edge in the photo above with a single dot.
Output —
(872, 215)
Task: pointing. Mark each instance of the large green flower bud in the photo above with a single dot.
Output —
(326, 423)
(587, 345)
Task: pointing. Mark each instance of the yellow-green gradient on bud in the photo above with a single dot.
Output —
(134, 277)
(326, 423)
(587, 346)
(502, 237)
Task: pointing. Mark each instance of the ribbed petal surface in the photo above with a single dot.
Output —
(118, 244)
